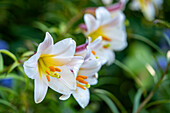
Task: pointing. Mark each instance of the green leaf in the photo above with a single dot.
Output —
(26, 54)
(1, 63)
(9, 54)
(4, 102)
(117, 102)
(109, 102)
(12, 67)
(7, 90)
(158, 102)
(162, 22)
(137, 100)
(14, 76)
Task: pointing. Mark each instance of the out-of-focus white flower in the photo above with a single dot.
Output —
(107, 2)
(52, 66)
(147, 7)
(87, 75)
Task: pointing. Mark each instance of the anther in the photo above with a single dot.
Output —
(48, 78)
(93, 52)
(78, 85)
(57, 69)
(82, 76)
(81, 80)
(47, 72)
(106, 46)
(52, 68)
(106, 38)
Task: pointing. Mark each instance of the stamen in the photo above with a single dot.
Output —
(48, 78)
(81, 80)
(93, 52)
(47, 72)
(97, 57)
(52, 68)
(57, 69)
(78, 85)
(82, 76)
(106, 38)
(87, 85)
(106, 46)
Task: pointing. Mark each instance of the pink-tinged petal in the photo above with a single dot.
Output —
(66, 83)
(90, 22)
(83, 27)
(46, 45)
(40, 89)
(64, 48)
(75, 64)
(115, 7)
(82, 96)
(64, 97)
(102, 15)
(30, 66)
(82, 47)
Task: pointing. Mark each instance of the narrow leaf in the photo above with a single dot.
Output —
(1, 63)
(137, 100)
(9, 54)
(4, 102)
(109, 102)
(12, 67)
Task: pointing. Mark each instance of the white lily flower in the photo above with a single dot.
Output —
(109, 26)
(86, 76)
(52, 66)
(147, 7)
(107, 2)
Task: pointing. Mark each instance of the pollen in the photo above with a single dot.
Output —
(81, 80)
(52, 68)
(82, 87)
(47, 72)
(48, 78)
(93, 52)
(82, 76)
(58, 69)
(106, 38)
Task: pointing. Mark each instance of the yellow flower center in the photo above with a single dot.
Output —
(47, 66)
(94, 35)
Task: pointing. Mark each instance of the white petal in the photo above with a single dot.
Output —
(118, 45)
(89, 67)
(75, 64)
(149, 12)
(46, 45)
(96, 42)
(82, 97)
(66, 83)
(93, 79)
(40, 89)
(90, 22)
(64, 48)
(30, 66)
(107, 2)
(135, 5)
(64, 97)
(103, 15)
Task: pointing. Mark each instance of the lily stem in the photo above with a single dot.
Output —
(147, 99)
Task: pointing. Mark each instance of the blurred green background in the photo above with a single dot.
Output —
(23, 24)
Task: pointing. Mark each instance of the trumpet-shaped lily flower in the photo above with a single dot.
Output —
(86, 76)
(111, 28)
(52, 66)
(147, 7)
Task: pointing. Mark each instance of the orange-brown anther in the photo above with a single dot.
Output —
(81, 80)
(93, 52)
(78, 85)
(57, 69)
(52, 68)
(47, 72)
(48, 78)
(106, 38)
(82, 76)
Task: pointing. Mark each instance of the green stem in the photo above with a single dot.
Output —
(157, 102)
(147, 99)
